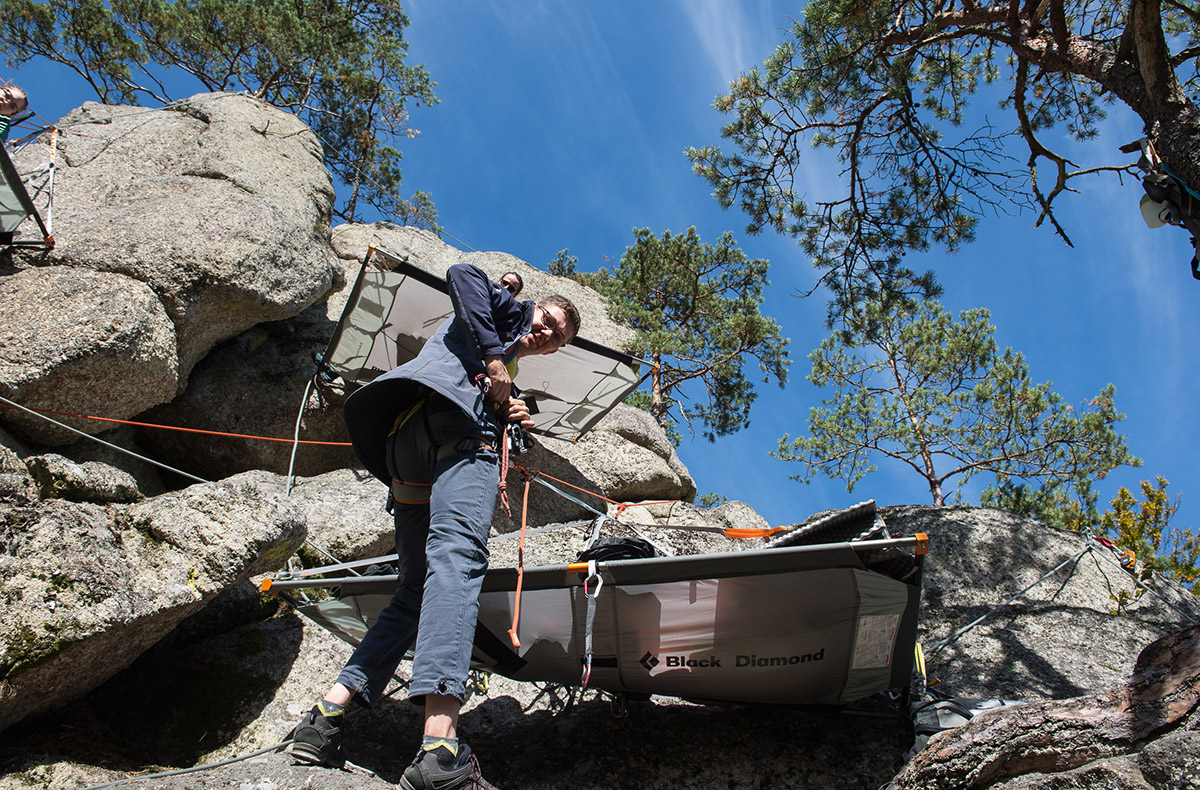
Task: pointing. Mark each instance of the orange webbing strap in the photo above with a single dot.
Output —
(407, 493)
(512, 632)
(748, 532)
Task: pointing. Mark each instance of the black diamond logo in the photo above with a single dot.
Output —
(648, 661)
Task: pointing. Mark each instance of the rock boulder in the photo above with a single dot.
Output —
(82, 342)
(220, 205)
(87, 588)
(61, 478)
(1061, 638)
(628, 457)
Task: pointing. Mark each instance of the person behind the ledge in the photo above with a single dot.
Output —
(13, 102)
(512, 282)
(428, 430)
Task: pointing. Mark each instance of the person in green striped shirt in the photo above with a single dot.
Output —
(12, 101)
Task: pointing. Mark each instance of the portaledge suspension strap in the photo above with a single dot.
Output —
(591, 596)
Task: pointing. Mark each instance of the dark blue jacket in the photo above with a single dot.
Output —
(487, 320)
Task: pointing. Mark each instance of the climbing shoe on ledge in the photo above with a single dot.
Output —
(441, 769)
(317, 739)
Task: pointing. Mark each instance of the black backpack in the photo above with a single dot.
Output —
(606, 549)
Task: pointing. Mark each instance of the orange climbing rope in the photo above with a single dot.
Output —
(527, 473)
(512, 632)
(177, 428)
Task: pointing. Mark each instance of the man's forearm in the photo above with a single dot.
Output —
(500, 389)
(470, 294)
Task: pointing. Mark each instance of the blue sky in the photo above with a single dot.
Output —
(563, 124)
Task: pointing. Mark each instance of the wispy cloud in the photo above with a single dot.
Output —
(734, 36)
(1143, 260)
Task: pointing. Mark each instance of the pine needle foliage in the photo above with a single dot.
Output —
(696, 310)
(1142, 526)
(938, 396)
(888, 86)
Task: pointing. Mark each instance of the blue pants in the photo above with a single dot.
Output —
(442, 545)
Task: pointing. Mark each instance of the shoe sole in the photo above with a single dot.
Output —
(303, 753)
(460, 782)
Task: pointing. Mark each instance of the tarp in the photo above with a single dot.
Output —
(395, 307)
(796, 625)
(16, 206)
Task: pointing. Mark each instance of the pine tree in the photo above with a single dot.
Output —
(695, 308)
(887, 88)
(937, 395)
(563, 265)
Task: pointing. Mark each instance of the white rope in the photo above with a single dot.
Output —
(296, 435)
(997, 608)
(1137, 582)
(193, 769)
(101, 441)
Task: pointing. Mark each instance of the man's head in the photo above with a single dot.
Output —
(12, 99)
(555, 323)
(512, 282)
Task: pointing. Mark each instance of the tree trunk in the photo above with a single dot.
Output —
(352, 203)
(1172, 120)
(658, 404)
(1144, 79)
(935, 485)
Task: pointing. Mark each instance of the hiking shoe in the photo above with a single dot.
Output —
(317, 740)
(438, 769)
